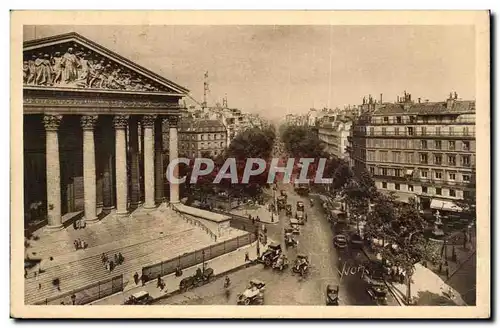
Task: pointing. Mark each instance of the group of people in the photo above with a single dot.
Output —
(79, 224)
(111, 264)
(80, 244)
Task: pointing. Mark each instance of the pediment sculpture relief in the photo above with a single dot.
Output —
(77, 67)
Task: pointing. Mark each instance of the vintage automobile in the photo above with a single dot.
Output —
(301, 217)
(378, 293)
(288, 210)
(271, 254)
(281, 203)
(295, 226)
(139, 298)
(332, 295)
(340, 241)
(289, 240)
(254, 294)
(281, 263)
(300, 206)
(356, 240)
(201, 277)
(301, 264)
(283, 193)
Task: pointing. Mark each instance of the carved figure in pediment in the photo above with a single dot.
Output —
(70, 64)
(127, 82)
(26, 71)
(83, 72)
(112, 80)
(32, 70)
(38, 68)
(97, 75)
(46, 71)
(57, 67)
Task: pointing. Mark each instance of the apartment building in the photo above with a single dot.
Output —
(200, 136)
(418, 148)
(335, 136)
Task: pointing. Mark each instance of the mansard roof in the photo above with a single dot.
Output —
(49, 64)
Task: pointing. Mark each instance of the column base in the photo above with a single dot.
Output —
(91, 221)
(107, 209)
(149, 206)
(121, 214)
(53, 228)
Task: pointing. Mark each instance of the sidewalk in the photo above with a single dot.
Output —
(222, 264)
(257, 210)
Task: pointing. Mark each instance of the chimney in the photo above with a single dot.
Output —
(398, 98)
(419, 100)
(380, 98)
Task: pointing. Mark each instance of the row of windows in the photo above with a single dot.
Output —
(213, 136)
(438, 191)
(202, 145)
(424, 190)
(423, 119)
(420, 144)
(423, 158)
(426, 174)
(421, 131)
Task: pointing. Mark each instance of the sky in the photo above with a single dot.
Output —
(276, 70)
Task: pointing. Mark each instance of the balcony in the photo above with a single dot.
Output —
(394, 121)
(417, 134)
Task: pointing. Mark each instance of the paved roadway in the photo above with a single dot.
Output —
(285, 288)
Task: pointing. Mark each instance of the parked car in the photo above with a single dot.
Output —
(340, 241)
(356, 240)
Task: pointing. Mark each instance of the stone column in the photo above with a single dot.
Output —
(51, 123)
(159, 185)
(120, 123)
(173, 154)
(148, 122)
(107, 184)
(135, 196)
(89, 178)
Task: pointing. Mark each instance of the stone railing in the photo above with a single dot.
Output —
(196, 223)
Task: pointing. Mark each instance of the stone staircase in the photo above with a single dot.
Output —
(177, 239)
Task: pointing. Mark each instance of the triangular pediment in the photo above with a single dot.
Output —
(72, 61)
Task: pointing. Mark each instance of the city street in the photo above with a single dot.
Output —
(285, 288)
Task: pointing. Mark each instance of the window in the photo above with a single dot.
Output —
(383, 156)
(397, 186)
(397, 172)
(452, 160)
(410, 188)
(384, 131)
(372, 170)
(423, 144)
(384, 185)
(451, 145)
(437, 144)
(438, 130)
(466, 145)
(453, 193)
(202, 137)
(396, 156)
(215, 136)
(398, 119)
(384, 171)
(423, 158)
(451, 131)
(424, 189)
(423, 174)
(409, 158)
(386, 119)
(372, 131)
(193, 146)
(410, 130)
(466, 160)
(222, 143)
(424, 131)
(438, 191)
(412, 119)
(408, 144)
(466, 131)
(437, 175)
(396, 131)
(451, 176)
(466, 177)
(371, 155)
(438, 159)
(467, 194)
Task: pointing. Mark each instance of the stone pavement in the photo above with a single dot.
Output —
(221, 264)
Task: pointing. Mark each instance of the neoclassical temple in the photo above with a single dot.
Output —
(93, 131)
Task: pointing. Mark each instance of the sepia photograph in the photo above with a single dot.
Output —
(250, 165)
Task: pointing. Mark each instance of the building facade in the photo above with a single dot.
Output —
(335, 136)
(418, 149)
(93, 124)
(198, 138)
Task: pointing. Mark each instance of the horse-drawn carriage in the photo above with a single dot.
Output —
(301, 264)
(200, 278)
(254, 294)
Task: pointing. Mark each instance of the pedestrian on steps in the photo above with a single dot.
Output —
(247, 257)
(136, 278)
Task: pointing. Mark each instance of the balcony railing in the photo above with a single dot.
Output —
(469, 134)
(381, 121)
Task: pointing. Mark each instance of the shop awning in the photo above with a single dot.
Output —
(445, 205)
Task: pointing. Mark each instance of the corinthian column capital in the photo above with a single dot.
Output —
(88, 121)
(120, 121)
(173, 121)
(52, 122)
(148, 121)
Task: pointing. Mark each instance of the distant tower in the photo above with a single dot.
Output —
(205, 91)
(224, 101)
